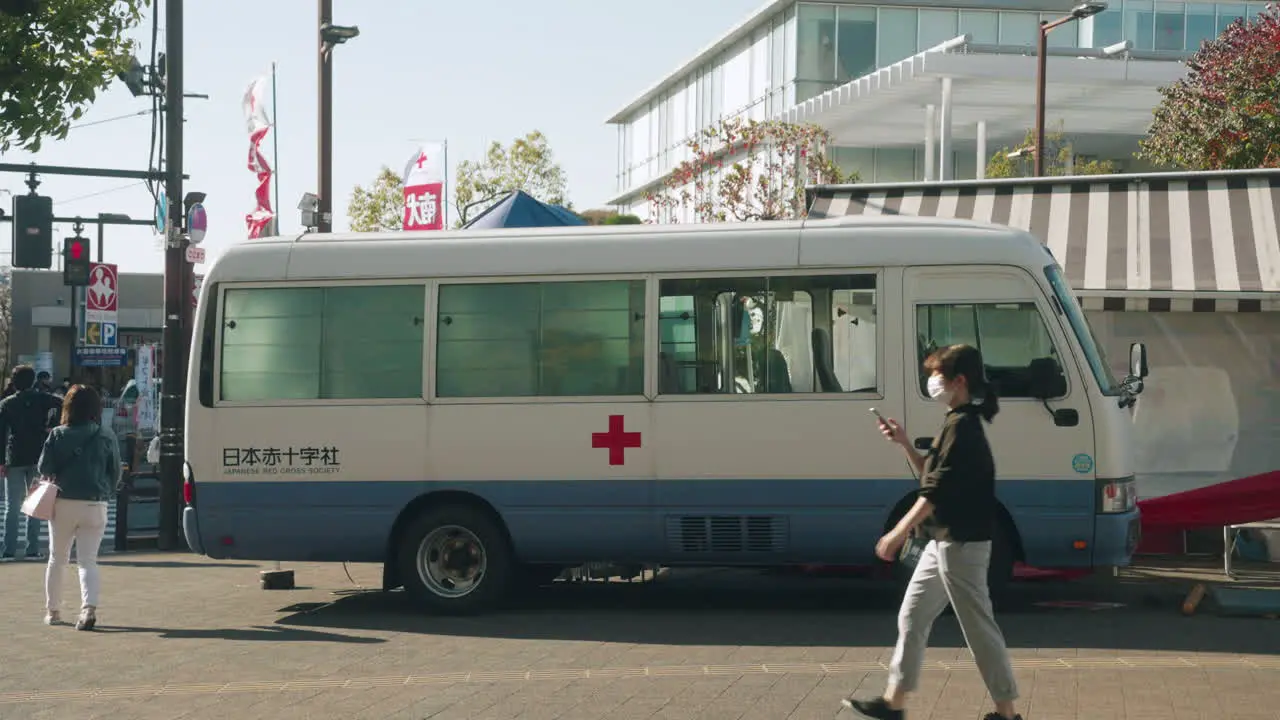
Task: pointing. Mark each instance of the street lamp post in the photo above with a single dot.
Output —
(330, 35)
(1079, 12)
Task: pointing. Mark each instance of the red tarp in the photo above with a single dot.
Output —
(1234, 502)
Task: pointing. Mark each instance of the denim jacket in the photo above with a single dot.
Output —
(91, 475)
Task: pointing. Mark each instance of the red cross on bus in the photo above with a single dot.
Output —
(616, 440)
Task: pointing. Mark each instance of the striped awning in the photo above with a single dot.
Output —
(1194, 241)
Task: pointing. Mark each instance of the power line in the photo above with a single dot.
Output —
(140, 113)
(101, 192)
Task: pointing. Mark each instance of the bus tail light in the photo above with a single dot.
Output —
(188, 484)
(1117, 495)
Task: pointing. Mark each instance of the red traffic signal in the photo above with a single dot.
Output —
(75, 262)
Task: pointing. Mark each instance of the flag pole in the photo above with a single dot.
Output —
(444, 188)
(275, 148)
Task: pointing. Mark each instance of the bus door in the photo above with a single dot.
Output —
(1043, 436)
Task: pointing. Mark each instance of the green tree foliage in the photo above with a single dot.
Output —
(1057, 159)
(54, 62)
(622, 219)
(608, 217)
(526, 164)
(379, 208)
(746, 171)
(1223, 114)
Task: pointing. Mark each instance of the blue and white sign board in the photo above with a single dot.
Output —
(162, 214)
(44, 362)
(101, 356)
(101, 334)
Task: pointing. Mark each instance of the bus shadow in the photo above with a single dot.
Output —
(796, 614)
(259, 633)
(169, 564)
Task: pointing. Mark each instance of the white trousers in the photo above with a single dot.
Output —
(82, 522)
(955, 573)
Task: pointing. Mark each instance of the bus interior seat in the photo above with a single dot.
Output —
(668, 375)
(778, 373)
(821, 341)
(1045, 372)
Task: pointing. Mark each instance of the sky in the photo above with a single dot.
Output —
(468, 73)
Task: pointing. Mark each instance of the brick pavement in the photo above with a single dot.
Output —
(187, 637)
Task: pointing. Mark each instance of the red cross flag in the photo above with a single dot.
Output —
(424, 188)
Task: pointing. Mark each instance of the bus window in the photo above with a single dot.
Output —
(558, 339)
(322, 343)
(1010, 336)
(775, 335)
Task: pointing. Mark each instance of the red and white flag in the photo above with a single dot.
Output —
(255, 113)
(424, 188)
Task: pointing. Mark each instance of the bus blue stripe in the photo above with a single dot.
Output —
(825, 521)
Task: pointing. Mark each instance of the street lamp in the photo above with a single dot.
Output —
(330, 36)
(1079, 12)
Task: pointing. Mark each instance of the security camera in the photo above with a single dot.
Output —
(309, 202)
(338, 34)
(1116, 49)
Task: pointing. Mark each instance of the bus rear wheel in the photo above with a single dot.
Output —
(455, 560)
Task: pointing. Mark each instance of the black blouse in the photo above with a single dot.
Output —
(960, 478)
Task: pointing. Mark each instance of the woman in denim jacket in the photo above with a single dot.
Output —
(83, 458)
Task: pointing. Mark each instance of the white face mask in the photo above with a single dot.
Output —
(938, 391)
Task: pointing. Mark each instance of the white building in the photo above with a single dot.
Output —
(921, 93)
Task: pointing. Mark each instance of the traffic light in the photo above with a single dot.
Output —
(75, 262)
(32, 232)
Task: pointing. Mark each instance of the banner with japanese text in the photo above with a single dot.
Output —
(424, 188)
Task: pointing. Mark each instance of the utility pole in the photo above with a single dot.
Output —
(329, 36)
(325, 191)
(173, 389)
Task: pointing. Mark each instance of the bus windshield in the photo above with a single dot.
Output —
(1083, 331)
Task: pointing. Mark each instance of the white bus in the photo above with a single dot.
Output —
(478, 410)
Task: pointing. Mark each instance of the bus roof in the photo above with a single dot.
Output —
(622, 249)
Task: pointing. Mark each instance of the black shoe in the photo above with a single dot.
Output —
(998, 716)
(35, 558)
(6, 556)
(876, 709)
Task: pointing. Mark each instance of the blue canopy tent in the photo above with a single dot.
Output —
(519, 210)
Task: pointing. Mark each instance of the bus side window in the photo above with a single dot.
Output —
(322, 343)
(540, 339)
(207, 341)
(776, 335)
(1011, 336)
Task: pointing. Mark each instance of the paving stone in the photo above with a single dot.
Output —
(186, 638)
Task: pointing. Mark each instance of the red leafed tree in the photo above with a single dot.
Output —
(747, 170)
(1223, 115)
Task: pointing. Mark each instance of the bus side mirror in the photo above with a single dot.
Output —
(1138, 360)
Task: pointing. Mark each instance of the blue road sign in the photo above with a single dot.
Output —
(162, 213)
(101, 356)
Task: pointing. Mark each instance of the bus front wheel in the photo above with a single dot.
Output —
(455, 560)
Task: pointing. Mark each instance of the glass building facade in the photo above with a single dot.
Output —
(810, 48)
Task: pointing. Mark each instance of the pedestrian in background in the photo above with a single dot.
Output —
(82, 458)
(956, 513)
(24, 425)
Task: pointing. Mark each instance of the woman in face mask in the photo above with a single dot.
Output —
(956, 513)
